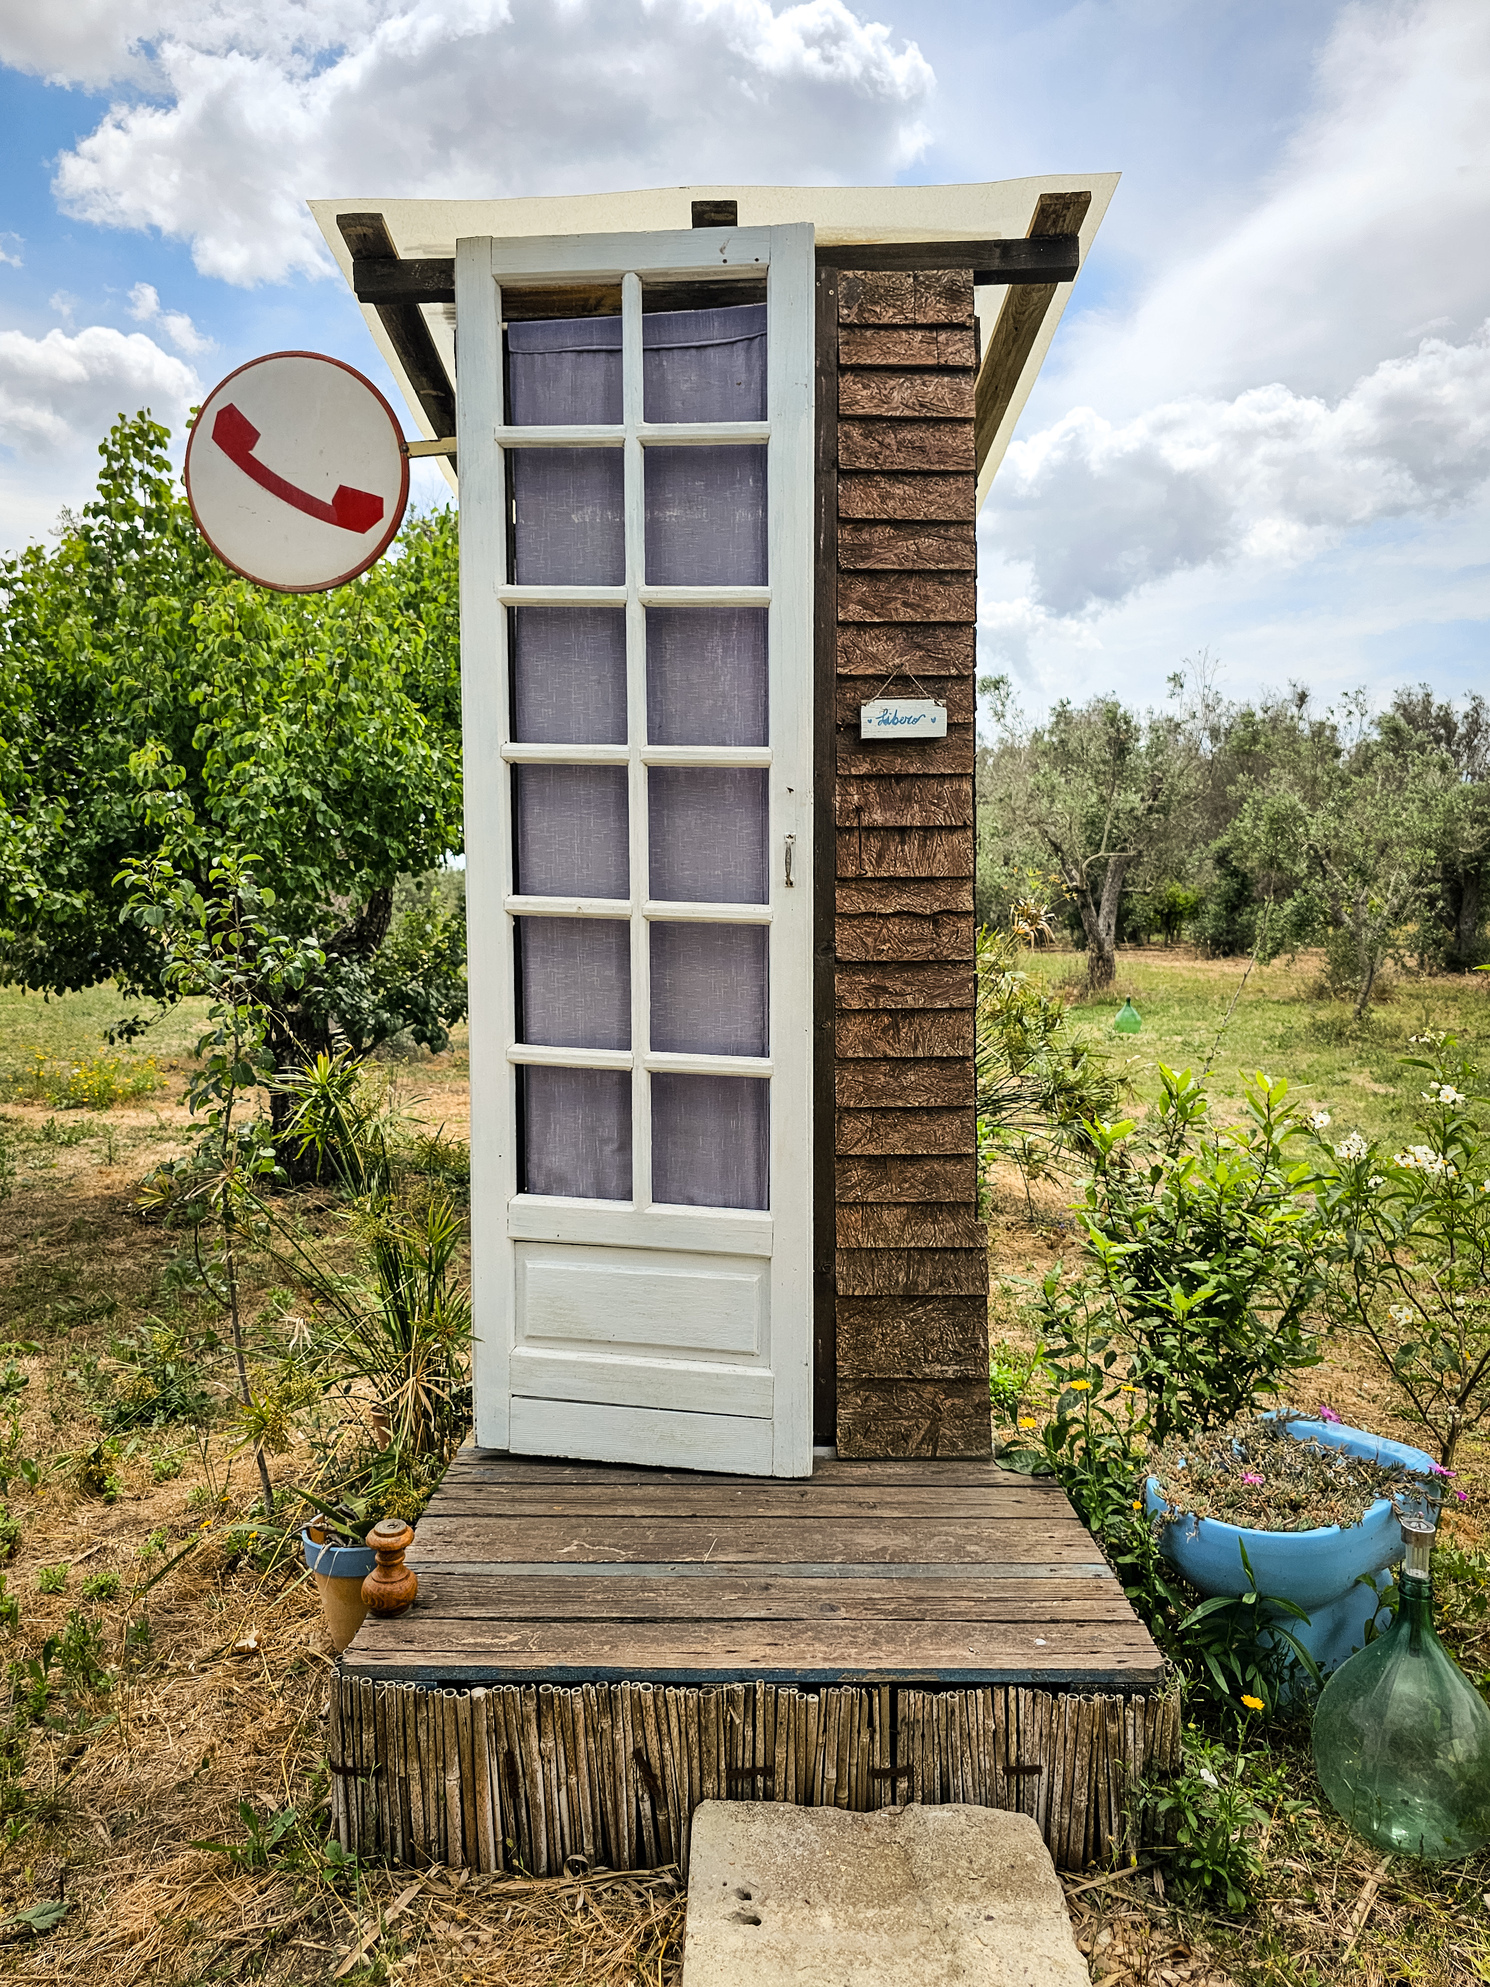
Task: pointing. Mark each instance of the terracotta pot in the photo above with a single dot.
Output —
(339, 1573)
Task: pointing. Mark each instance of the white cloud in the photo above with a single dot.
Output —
(59, 393)
(1097, 510)
(10, 257)
(1366, 234)
(144, 308)
(244, 113)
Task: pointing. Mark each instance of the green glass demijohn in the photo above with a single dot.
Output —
(1401, 1737)
(1129, 1020)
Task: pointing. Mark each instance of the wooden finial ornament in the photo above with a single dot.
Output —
(391, 1586)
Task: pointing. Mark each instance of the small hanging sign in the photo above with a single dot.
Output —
(902, 717)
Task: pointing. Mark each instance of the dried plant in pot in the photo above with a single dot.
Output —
(1309, 1502)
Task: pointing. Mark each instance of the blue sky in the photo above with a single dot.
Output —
(1264, 429)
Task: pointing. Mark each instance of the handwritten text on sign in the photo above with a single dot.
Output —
(902, 717)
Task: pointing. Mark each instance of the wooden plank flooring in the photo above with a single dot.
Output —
(929, 1573)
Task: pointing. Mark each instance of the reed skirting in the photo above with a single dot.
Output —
(533, 1776)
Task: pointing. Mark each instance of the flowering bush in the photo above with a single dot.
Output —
(1200, 1265)
(1409, 1249)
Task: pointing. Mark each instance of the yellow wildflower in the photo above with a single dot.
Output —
(1254, 1703)
(1026, 1421)
(1080, 1386)
(1137, 1504)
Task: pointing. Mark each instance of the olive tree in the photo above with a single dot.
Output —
(1102, 792)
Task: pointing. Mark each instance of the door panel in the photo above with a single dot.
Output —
(643, 1297)
(730, 1445)
(636, 502)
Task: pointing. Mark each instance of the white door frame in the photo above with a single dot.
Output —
(503, 1220)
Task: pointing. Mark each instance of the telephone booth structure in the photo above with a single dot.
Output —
(730, 1523)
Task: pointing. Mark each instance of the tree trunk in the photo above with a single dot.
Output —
(1467, 917)
(1101, 931)
(1367, 957)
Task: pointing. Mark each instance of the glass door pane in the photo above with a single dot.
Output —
(639, 512)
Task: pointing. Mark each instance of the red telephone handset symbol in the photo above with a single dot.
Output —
(351, 510)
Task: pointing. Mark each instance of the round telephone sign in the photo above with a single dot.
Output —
(297, 472)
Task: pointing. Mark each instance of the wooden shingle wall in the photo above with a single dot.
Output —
(910, 1271)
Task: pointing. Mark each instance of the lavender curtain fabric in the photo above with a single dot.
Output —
(708, 989)
(707, 829)
(711, 1141)
(577, 1132)
(705, 524)
(571, 519)
(706, 516)
(706, 676)
(571, 831)
(565, 372)
(575, 978)
(569, 675)
(704, 365)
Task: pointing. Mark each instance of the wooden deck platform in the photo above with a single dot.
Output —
(941, 1575)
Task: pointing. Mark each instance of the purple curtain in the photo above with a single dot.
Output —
(705, 512)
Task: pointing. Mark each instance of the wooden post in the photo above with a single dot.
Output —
(911, 1273)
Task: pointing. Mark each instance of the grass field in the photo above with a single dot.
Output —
(139, 1711)
(1279, 1025)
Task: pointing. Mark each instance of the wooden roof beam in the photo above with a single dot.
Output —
(1018, 323)
(386, 281)
(372, 247)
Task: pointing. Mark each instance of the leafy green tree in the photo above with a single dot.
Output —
(1417, 722)
(155, 708)
(1349, 856)
(1102, 791)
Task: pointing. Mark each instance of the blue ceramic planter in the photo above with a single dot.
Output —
(338, 1562)
(1319, 1571)
(339, 1573)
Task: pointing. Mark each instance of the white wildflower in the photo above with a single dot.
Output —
(1318, 1120)
(1353, 1146)
(1423, 1159)
(1401, 1314)
(1376, 1181)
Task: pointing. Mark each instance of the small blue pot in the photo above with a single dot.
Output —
(1322, 1571)
(338, 1562)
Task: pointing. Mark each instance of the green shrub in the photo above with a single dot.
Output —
(1217, 1808)
(1201, 1255)
(1040, 1083)
(1410, 1249)
(80, 1652)
(53, 1579)
(158, 1378)
(10, 1534)
(101, 1587)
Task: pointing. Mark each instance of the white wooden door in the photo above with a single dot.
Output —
(638, 1319)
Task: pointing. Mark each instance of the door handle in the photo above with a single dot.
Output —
(791, 843)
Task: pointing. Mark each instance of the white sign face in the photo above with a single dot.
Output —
(297, 472)
(902, 717)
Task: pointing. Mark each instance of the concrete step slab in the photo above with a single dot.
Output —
(953, 1896)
